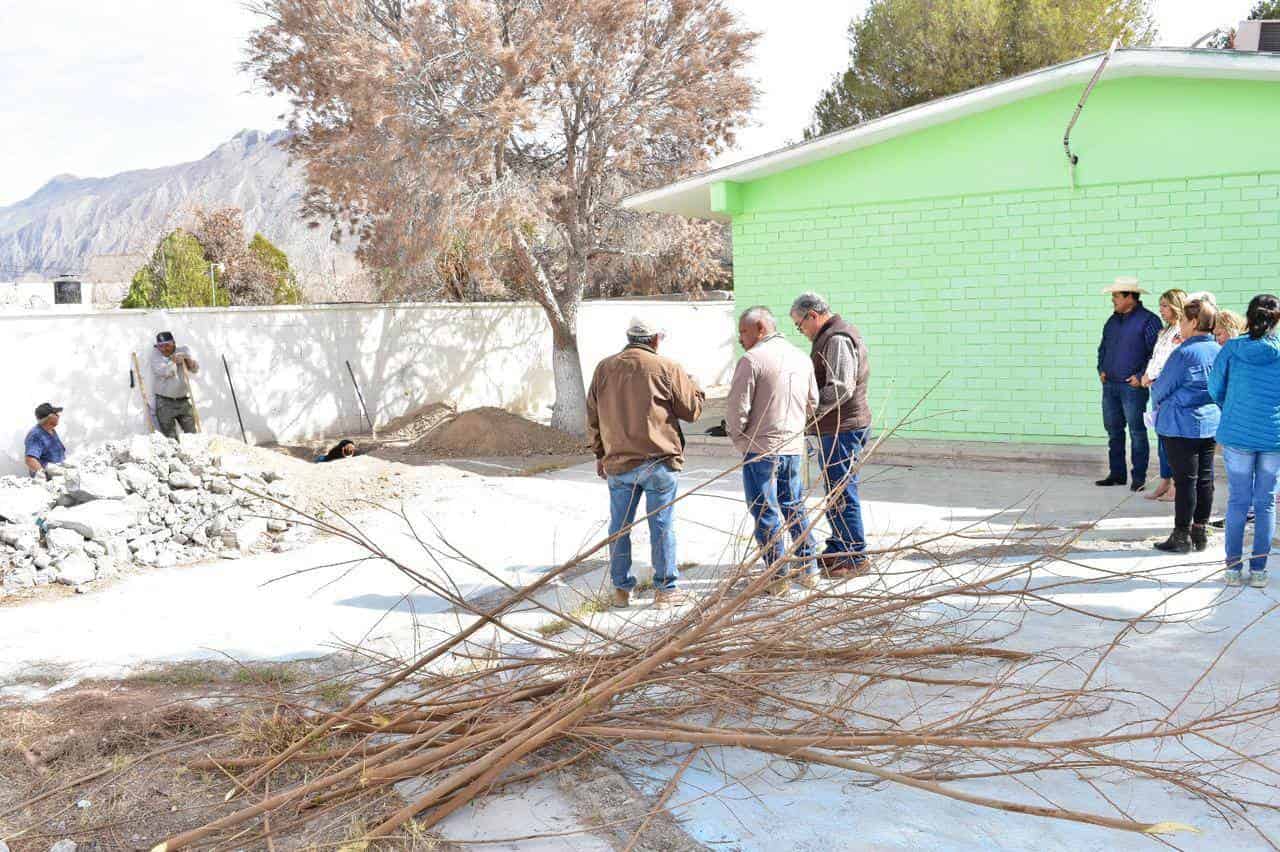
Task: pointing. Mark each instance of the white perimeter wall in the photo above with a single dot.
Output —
(288, 363)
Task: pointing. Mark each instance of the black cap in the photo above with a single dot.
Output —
(164, 337)
(44, 409)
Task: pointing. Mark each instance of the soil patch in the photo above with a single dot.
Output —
(495, 432)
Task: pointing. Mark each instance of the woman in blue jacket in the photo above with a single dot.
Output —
(1245, 381)
(1186, 421)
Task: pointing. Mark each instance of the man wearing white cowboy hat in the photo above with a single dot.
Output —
(1128, 339)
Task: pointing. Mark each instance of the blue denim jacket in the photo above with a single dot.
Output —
(1127, 343)
(1184, 408)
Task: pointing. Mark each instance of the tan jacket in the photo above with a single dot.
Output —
(635, 401)
(773, 395)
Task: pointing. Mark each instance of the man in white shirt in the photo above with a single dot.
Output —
(773, 395)
(169, 384)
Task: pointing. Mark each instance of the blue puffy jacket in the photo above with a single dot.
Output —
(1184, 408)
(1245, 381)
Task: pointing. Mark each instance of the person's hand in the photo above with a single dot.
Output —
(1134, 382)
(1146, 382)
(1102, 377)
(600, 469)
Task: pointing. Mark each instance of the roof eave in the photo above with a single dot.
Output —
(691, 197)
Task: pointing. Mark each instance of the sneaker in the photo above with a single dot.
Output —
(1257, 579)
(665, 598)
(1110, 480)
(1233, 577)
(621, 599)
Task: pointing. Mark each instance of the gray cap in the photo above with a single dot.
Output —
(642, 328)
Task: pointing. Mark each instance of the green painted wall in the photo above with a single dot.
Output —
(961, 252)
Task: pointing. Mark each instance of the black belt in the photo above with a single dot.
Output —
(174, 398)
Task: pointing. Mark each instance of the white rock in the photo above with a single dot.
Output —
(93, 548)
(42, 561)
(20, 505)
(137, 478)
(63, 846)
(22, 537)
(99, 519)
(166, 558)
(62, 540)
(219, 486)
(83, 487)
(184, 496)
(277, 525)
(75, 568)
(183, 479)
(247, 534)
(140, 449)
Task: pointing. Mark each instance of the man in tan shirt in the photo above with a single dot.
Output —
(634, 406)
(773, 396)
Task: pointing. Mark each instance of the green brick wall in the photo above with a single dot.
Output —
(997, 296)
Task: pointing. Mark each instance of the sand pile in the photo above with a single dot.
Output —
(495, 432)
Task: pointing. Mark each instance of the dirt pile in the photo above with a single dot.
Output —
(495, 432)
(420, 421)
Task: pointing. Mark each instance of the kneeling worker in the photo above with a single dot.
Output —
(42, 446)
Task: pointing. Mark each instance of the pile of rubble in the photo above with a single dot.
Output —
(148, 501)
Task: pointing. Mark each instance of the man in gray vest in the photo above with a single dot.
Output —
(770, 401)
(842, 423)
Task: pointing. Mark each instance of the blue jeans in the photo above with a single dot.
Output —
(658, 484)
(775, 492)
(1166, 471)
(1251, 481)
(1122, 406)
(839, 457)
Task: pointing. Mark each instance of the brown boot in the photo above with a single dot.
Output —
(621, 599)
(780, 587)
(807, 581)
(665, 598)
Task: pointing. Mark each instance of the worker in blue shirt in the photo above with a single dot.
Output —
(43, 446)
(1128, 339)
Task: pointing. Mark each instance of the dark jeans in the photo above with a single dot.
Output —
(1165, 471)
(170, 411)
(839, 469)
(775, 494)
(1122, 407)
(1192, 462)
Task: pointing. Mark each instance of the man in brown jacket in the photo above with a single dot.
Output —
(842, 424)
(634, 406)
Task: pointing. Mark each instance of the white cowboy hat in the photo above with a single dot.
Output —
(1124, 284)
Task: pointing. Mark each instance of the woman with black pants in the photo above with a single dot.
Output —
(1187, 420)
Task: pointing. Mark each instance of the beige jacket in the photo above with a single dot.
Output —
(772, 397)
(635, 402)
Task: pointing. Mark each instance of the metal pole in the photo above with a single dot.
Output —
(213, 288)
(360, 396)
(234, 400)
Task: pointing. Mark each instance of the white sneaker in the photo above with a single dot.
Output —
(1233, 577)
(1258, 579)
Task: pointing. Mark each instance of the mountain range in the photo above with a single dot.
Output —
(71, 221)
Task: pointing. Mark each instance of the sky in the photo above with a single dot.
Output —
(93, 88)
